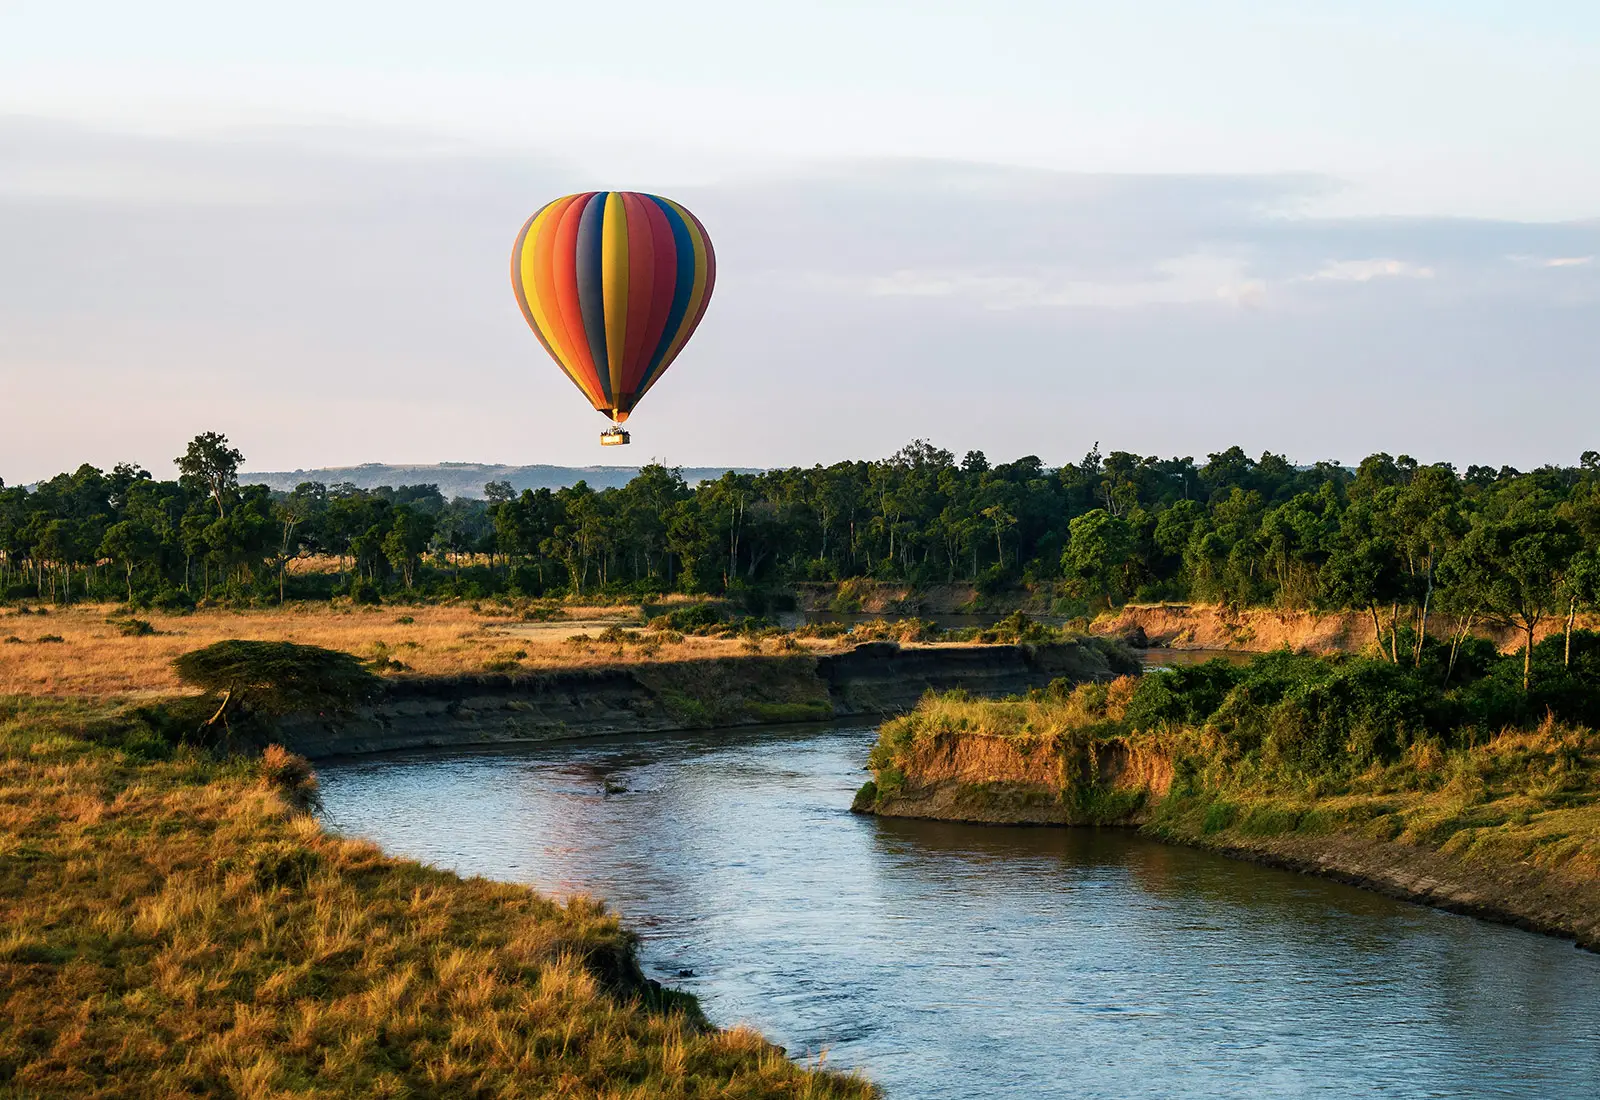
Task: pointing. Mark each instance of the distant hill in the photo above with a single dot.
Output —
(467, 479)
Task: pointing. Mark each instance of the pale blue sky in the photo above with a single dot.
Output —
(1138, 212)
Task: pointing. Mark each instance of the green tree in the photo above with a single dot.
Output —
(1513, 570)
(210, 467)
(129, 543)
(405, 541)
(1098, 554)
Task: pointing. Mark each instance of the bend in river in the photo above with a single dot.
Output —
(967, 961)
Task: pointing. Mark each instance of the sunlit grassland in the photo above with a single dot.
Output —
(177, 927)
(1521, 797)
(95, 658)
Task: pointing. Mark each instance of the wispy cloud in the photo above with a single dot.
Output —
(335, 296)
(1364, 271)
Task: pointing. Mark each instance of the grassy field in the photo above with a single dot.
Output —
(176, 926)
(89, 651)
(99, 652)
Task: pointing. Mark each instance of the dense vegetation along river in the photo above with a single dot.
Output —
(966, 961)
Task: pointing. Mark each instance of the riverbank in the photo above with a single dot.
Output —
(871, 680)
(173, 924)
(1507, 828)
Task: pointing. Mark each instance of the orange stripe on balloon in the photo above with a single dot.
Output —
(544, 297)
(564, 284)
(524, 277)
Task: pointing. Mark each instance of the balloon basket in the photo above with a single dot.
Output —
(614, 437)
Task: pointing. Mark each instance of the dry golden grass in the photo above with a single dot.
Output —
(174, 928)
(95, 659)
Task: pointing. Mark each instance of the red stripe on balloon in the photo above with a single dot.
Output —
(664, 285)
(641, 289)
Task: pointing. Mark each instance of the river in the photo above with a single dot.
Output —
(950, 961)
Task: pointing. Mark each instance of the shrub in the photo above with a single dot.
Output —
(277, 677)
(173, 601)
(292, 775)
(696, 618)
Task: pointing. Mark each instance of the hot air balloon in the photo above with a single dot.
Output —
(613, 284)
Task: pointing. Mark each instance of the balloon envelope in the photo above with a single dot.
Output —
(613, 284)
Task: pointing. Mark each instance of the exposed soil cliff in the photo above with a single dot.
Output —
(872, 680)
(1005, 781)
(1535, 872)
(1259, 629)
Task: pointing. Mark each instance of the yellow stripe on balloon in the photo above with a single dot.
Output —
(526, 260)
(614, 285)
(554, 334)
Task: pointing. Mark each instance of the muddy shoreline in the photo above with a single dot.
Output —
(1523, 896)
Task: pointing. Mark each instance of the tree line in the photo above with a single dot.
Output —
(1391, 538)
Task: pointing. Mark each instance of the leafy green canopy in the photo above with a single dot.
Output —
(278, 677)
(1314, 714)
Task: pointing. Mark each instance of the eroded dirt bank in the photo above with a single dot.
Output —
(873, 680)
(1260, 629)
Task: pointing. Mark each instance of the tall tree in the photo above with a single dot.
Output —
(211, 467)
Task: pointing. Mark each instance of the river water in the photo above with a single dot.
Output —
(966, 961)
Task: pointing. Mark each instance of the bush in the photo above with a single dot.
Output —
(697, 618)
(173, 601)
(292, 775)
(278, 677)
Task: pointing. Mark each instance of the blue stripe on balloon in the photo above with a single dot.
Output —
(683, 288)
(591, 286)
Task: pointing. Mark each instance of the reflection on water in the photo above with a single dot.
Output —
(962, 961)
